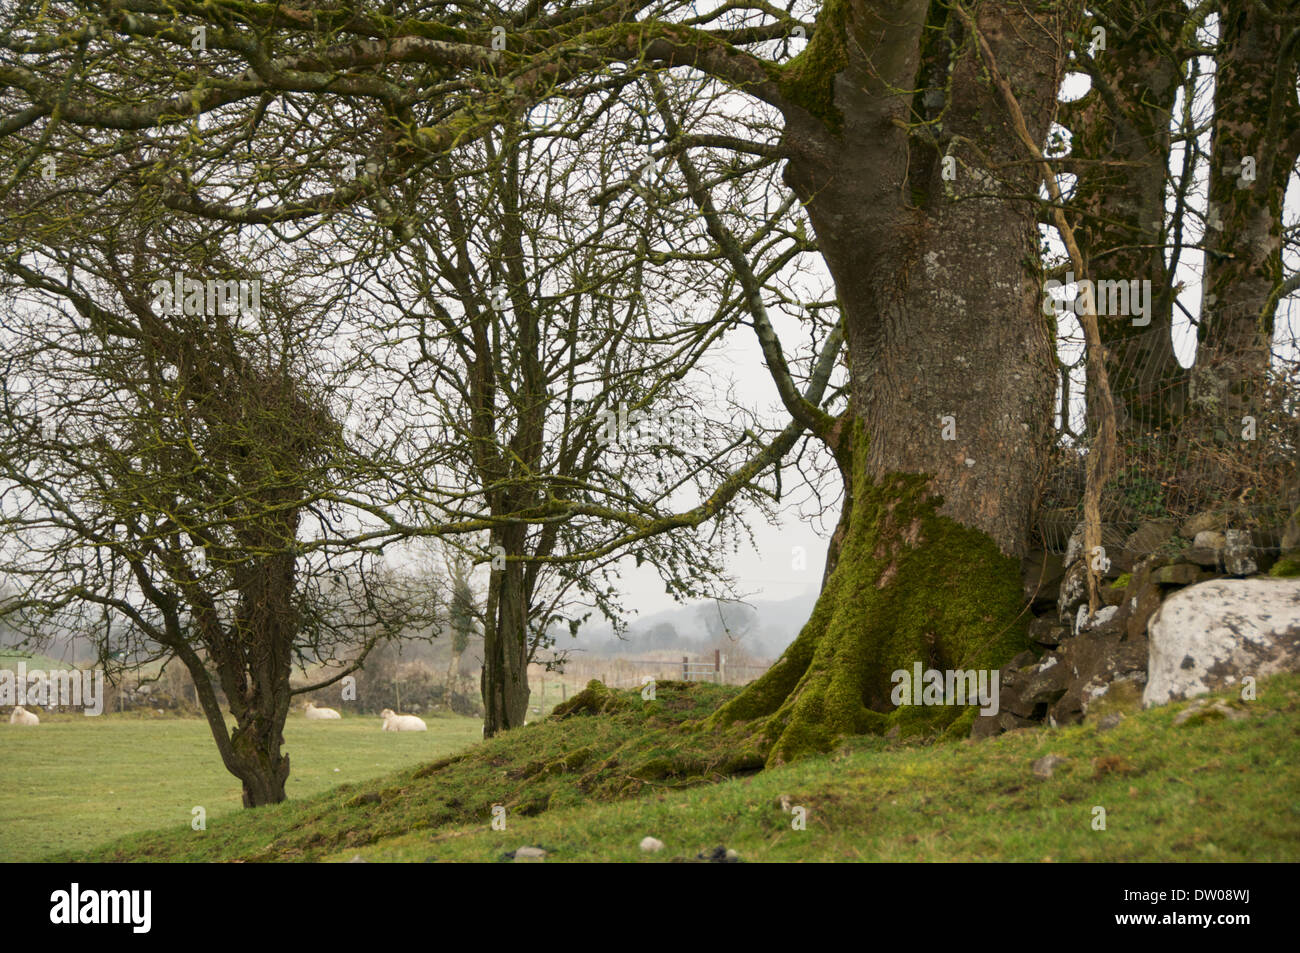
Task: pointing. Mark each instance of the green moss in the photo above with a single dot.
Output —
(1123, 581)
(808, 80)
(1288, 567)
(1124, 696)
(961, 725)
(910, 586)
(595, 699)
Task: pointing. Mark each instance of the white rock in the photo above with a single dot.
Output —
(651, 845)
(1206, 637)
(1084, 622)
(1209, 539)
(530, 855)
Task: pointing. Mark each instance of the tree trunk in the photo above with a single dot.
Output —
(1256, 121)
(452, 679)
(950, 362)
(1126, 118)
(505, 643)
(253, 659)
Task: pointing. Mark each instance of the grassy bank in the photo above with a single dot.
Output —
(1208, 789)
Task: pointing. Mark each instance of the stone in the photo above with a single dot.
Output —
(1074, 593)
(1041, 573)
(651, 845)
(1179, 574)
(1142, 598)
(1238, 549)
(718, 855)
(1147, 538)
(1124, 694)
(1112, 595)
(1009, 721)
(1085, 621)
(1291, 531)
(985, 726)
(530, 855)
(1045, 630)
(1044, 767)
(1095, 659)
(1206, 549)
(1209, 539)
(1207, 637)
(1022, 660)
(1200, 522)
(1199, 712)
(1022, 691)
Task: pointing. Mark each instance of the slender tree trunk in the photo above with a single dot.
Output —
(265, 627)
(452, 678)
(505, 643)
(1256, 139)
(950, 361)
(1126, 119)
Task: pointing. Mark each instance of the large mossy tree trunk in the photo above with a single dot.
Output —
(950, 358)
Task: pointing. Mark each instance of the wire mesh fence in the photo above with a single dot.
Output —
(1219, 435)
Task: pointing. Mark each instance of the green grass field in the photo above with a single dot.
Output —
(590, 786)
(10, 660)
(74, 782)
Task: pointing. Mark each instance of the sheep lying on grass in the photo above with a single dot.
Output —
(320, 714)
(396, 722)
(22, 716)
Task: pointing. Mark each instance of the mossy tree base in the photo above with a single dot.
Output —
(910, 586)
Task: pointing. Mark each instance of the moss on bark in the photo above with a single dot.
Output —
(911, 586)
(809, 79)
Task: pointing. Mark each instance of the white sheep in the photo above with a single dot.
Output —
(22, 716)
(320, 714)
(396, 722)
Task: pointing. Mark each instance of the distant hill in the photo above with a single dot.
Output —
(764, 627)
